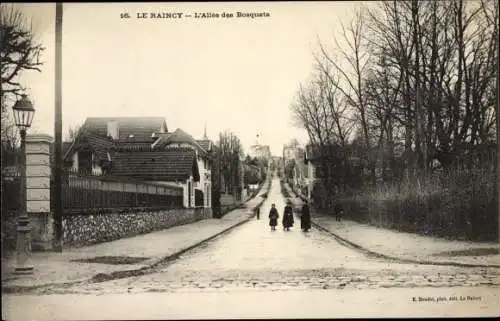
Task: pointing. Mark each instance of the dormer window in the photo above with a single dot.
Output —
(113, 130)
(131, 136)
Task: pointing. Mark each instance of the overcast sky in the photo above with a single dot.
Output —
(239, 74)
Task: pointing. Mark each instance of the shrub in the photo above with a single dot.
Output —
(456, 205)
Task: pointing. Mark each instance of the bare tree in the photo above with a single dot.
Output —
(350, 79)
(321, 110)
(230, 151)
(351, 49)
(19, 53)
(443, 52)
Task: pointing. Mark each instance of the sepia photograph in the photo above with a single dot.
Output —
(250, 160)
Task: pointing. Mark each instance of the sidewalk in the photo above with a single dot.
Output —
(52, 268)
(407, 246)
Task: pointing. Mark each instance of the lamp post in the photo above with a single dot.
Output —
(23, 116)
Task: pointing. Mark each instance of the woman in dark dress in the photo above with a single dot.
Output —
(305, 218)
(288, 217)
(273, 217)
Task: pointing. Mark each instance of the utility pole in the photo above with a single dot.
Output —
(58, 209)
(498, 135)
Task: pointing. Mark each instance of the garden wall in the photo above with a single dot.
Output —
(84, 229)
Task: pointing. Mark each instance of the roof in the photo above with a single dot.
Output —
(99, 145)
(65, 147)
(130, 129)
(179, 137)
(206, 144)
(129, 146)
(170, 165)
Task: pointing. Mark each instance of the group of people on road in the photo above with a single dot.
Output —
(288, 220)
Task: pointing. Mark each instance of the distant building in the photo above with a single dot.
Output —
(294, 155)
(290, 152)
(260, 151)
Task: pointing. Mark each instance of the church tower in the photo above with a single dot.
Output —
(257, 139)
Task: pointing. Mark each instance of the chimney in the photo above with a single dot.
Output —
(113, 129)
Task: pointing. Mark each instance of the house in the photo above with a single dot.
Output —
(172, 166)
(301, 173)
(290, 152)
(312, 158)
(202, 152)
(293, 155)
(141, 148)
(90, 150)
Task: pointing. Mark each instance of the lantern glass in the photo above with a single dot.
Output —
(23, 113)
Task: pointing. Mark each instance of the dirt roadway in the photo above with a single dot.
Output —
(388, 302)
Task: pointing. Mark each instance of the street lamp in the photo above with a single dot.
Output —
(23, 116)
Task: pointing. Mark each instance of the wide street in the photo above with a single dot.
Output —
(255, 272)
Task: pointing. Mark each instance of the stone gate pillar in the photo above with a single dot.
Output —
(38, 175)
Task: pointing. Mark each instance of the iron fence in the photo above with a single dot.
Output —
(87, 194)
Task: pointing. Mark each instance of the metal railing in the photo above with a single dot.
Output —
(89, 194)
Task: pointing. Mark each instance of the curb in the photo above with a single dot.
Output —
(402, 260)
(102, 277)
(360, 248)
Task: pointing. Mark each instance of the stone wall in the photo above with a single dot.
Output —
(85, 229)
(41, 230)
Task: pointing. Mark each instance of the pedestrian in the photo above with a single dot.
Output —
(305, 218)
(288, 216)
(257, 212)
(273, 217)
